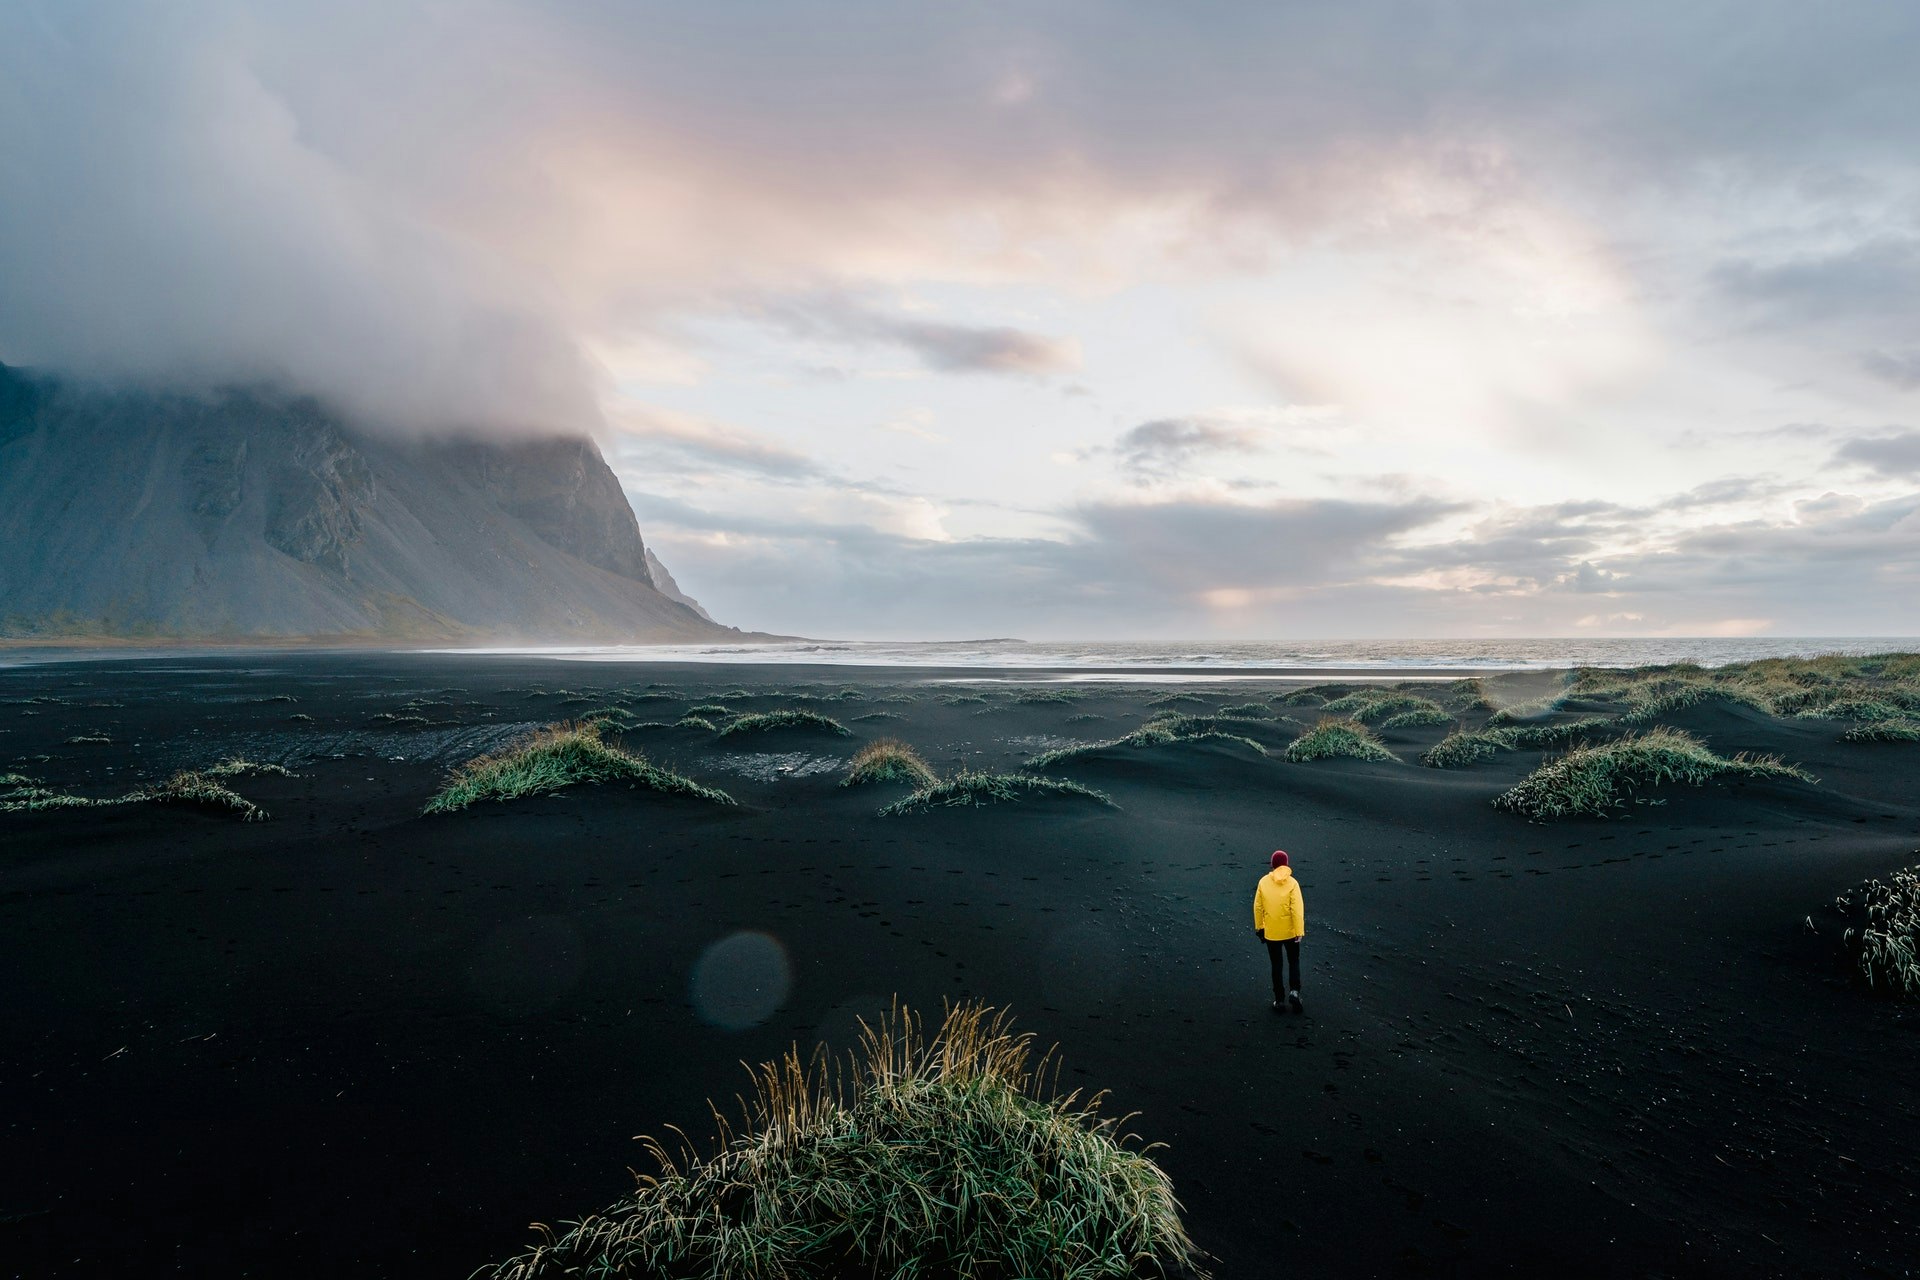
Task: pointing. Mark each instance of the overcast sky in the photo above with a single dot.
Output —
(1057, 320)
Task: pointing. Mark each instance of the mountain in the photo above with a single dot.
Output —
(663, 581)
(247, 513)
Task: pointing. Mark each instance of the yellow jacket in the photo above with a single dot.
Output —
(1278, 912)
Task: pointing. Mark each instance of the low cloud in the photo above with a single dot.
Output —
(1899, 369)
(942, 346)
(1896, 456)
(1167, 443)
(683, 441)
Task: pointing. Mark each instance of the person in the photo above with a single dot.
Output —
(1280, 920)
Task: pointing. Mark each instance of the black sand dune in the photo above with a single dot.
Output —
(355, 1041)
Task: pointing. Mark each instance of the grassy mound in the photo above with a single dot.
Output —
(21, 794)
(1246, 711)
(1333, 738)
(201, 789)
(1417, 718)
(1458, 750)
(890, 761)
(1885, 944)
(691, 721)
(560, 755)
(1595, 780)
(1884, 731)
(193, 788)
(1047, 697)
(959, 699)
(967, 788)
(241, 767)
(1163, 730)
(1834, 686)
(937, 1158)
(787, 718)
(1368, 705)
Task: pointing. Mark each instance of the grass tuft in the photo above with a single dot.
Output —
(1368, 705)
(200, 789)
(1417, 718)
(948, 1157)
(1883, 731)
(1885, 944)
(1162, 730)
(1460, 749)
(959, 699)
(889, 760)
(787, 718)
(1595, 780)
(558, 756)
(968, 788)
(1334, 738)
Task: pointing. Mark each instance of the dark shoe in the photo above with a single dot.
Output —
(1277, 1008)
(1293, 1002)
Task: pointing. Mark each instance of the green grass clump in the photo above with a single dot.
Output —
(1246, 711)
(786, 718)
(1885, 943)
(1163, 730)
(1523, 713)
(1457, 750)
(1311, 695)
(1595, 780)
(910, 1158)
(241, 767)
(1368, 705)
(1863, 709)
(301, 717)
(959, 699)
(691, 721)
(710, 709)
(1652, 701)
(199, 789)
(877, 717)
(968, 788)
(21, 794)
(1043, 697)
(1466, 695)
(1333, 738)
(889, 760)
(558, 756)
(89, 739)
(1177, 699)
(615, 716)
(1417, 718)
(1883, 731)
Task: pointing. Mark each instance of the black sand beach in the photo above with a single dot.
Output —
(353, 1040)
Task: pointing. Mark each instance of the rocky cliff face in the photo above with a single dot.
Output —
(250, 514)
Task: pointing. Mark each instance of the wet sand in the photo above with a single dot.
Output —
(356, 1041)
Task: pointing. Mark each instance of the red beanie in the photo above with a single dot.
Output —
(1279, 858)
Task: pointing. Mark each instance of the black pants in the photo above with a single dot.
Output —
(1282, 955)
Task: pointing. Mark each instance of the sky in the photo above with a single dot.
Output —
(1053, 320)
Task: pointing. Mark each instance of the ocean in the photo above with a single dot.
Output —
(1200, 657)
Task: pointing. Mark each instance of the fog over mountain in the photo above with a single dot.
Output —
(252, 513)
(1593, 318)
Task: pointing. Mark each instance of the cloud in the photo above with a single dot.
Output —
(941, 346)
(1899, 369)
(1896, 455)
(679, 440)
(1166, 443)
